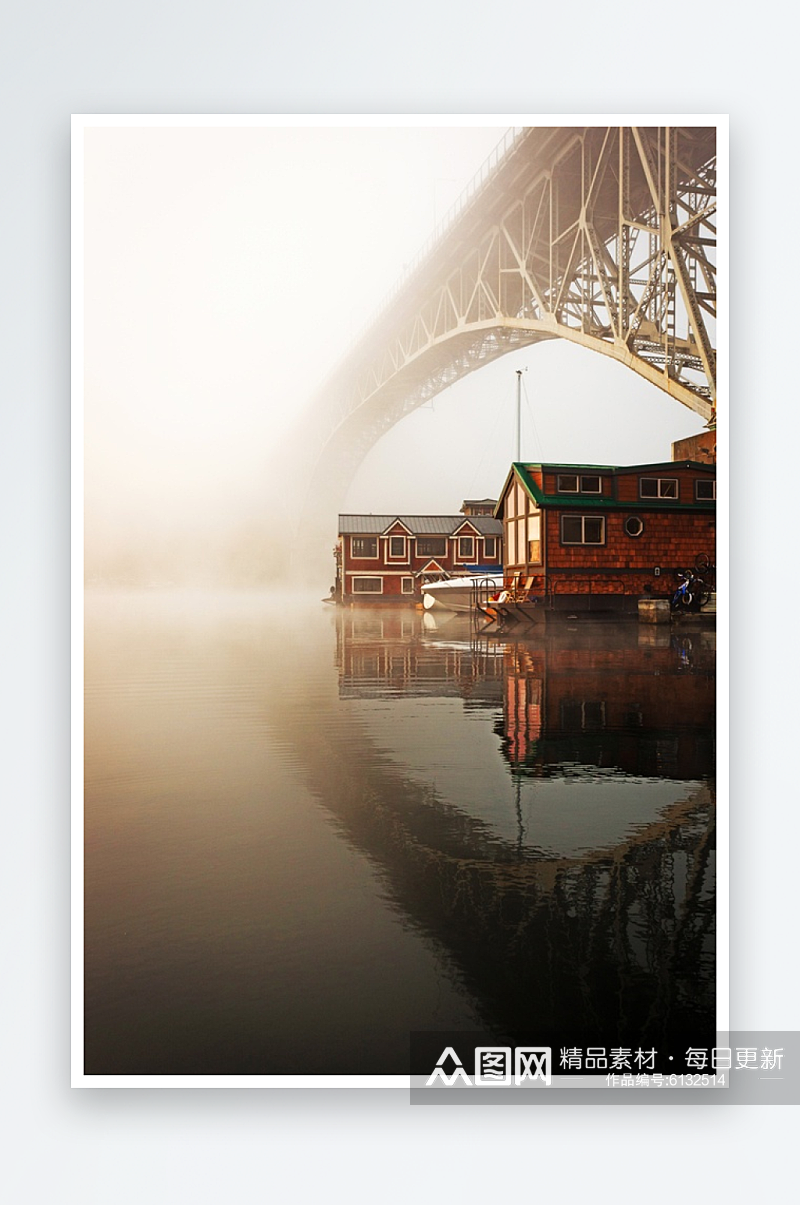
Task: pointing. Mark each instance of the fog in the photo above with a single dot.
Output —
(226, 270)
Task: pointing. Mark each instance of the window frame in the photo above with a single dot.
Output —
(440, 552)
(487, 554)
(397, 556)
(582, 543)
(580, 483)
(406, 585)
(364, 556)
(465, 556)
(712, 481)
(659, 496)
(364, 577)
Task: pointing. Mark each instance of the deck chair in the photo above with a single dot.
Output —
(522, 588)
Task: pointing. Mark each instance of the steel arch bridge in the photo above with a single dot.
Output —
(601, 235)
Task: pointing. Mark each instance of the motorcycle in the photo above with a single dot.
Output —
(691, 594)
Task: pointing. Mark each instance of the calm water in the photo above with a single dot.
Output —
(310, 832)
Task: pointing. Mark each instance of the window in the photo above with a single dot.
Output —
(633, 526)
(431, 546)
(705, 491)
(407, 585)
(658, 487)
(364, 546)
(535, 539)
(523, 539)
(573, 483)
(368, 585)
(489, 547)
(466, 548)
(583, 529)
(397, 547)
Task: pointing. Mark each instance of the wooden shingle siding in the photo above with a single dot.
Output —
(669, 533)
(416, 531)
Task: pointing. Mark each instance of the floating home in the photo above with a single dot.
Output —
(387, 558)
(600, 537)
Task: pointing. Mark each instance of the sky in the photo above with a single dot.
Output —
(226, 271)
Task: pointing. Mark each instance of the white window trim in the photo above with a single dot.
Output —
(490, 556)
(424, 556)
(406, 581)
(705, 481)
(465, 556)
(365, 577)
(393, 556)
(355, 556)
(580, 488)
(583, 543)
(652, 497)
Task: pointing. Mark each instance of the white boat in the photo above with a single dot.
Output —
(456, 593)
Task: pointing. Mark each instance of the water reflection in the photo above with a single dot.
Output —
(588, 841)
(309, 832)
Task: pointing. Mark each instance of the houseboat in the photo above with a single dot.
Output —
(594, 539)
(389, 558)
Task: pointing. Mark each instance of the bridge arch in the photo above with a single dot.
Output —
(602, 236)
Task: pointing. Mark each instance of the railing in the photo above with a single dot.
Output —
(509, 139)
(489, 165)
(483, 589)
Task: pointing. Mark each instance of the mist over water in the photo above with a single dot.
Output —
(217, 303)
(311, 831)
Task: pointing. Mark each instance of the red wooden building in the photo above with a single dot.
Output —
(599, 537)
(386, 558)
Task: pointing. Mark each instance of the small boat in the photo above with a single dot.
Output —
(457, 593)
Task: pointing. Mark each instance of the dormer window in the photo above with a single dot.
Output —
(579, 483)
(658, 487)
(466, 548)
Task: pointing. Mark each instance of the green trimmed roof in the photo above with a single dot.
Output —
(522, 471)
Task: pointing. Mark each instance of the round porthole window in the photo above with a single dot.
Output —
(634, 526)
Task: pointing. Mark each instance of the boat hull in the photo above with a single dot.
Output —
(458, 593)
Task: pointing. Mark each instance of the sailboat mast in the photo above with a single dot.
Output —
(519, 415)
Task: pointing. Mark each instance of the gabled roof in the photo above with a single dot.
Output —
(395, 523)
(486, 525)
(417, 525)
(585, 501)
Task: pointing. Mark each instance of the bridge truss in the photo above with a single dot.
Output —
(605, 236)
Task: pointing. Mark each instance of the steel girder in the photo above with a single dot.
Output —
(605, 236)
